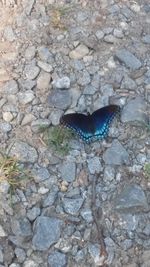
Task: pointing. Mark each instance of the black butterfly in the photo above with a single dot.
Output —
(91, 127)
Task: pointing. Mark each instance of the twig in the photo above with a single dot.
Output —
(103, 252)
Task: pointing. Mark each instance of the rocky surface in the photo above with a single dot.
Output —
(79, 56)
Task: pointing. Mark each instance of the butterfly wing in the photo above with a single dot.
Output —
(80, 123)
(101, 120)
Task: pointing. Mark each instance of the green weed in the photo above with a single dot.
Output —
(147, 170)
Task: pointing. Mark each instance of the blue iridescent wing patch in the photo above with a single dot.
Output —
(91, 127)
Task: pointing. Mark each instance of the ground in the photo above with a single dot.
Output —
(79, 204)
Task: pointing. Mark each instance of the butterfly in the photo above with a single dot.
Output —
(93, 126)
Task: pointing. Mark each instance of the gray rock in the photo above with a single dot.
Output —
(83, 78)
(43, 81)
(1, 256)
(50, 199)
(87, 215)
(118, 33)
(46, 232)
(59, 99)
(109, 174)
(44, 53)
(10, 87)
(146, 39)
(30, 52)
(55, 116)
(79, 52)
(116, 154)
(77, 64)
(134, 110)
(126, 57)
(128, 83)
(99, 34)
(62, 83)
(89, 90)
(33, 213)
(2, 232)
(4, 188)
(94, 165)
(5, 127)
(57, 259)
(38, 125)
(27, 119)
(30, 263)
(68, 171)
(23, 152)
(21, 227)
(110, 39)
(40, 174)
(107, 90)
(31, 71)
(126, 244)
(14, 265)
(26, 97)
(131, 199)
(45, 66)
(28, 9)
(20, 254)
(94, 251)
(72, 205)
(9, 34)
(7, 116)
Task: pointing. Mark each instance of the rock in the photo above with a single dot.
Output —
(110, 39)
(44, 53)
(46, 232)
(45, 66)
(89, 90)
(109, 174)
(107, 90)
(72, 205)
(68, 171)
(30, 52)
(59, 99)
(38, 125)
(7, 116)
(126, 57)
(28, 9)
(61, 83)
(5, 127)
(27, 119)
(135, 110)
(23, 152)
(26, 97)
(55, 116)
(4, 187)
(14, 265)
(50, 199)
(57, 259)
(83, 78)
(116, 154)
(79, 52)
(21, 227)
(99, 34)
(1, 256)
(43, 81)
(126, 244)
(30, 263)
(31, 71)
(20, 254)
(40, 174)
(146, 39)
(94, 165)
(131, 199)
(33, 213)
(118, 33)
(87, 215)
(10, 88)
(128, 83)
(94, 251)
(9, 34)
(27, 84)
(2, 232)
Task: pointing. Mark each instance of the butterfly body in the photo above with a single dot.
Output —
(91, 127)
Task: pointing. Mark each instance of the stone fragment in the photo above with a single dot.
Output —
(27, 84)
(27, 119)
(94, 165)
(10, 88)
(21, 227)
(72, 205)
(28, 8)
(4, 187)
(33, 213)
(62, 83)
(118, 33)
(128, 83)
(20, 254)
(31, 71)
(79, 52)
(44, 53)
(116, 154)
(146, 39)
(134, 110)
(25, 97)
(45, 66)
(46, 232)
(30, 52)
(40, 174)
(9, 34)
(5, 127)
(131, 199)
(7, 116)
(87, 215)
(109, 174)
(43, 81)
(99, 34)
(23, 152)
(55, 116)
(126, 57)
(2, 232)
(83, 78)
(59, 99)
(50, 199)
(30, 263)
(38, 125)
(68, 171)
(57, 259)
(110, 39)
